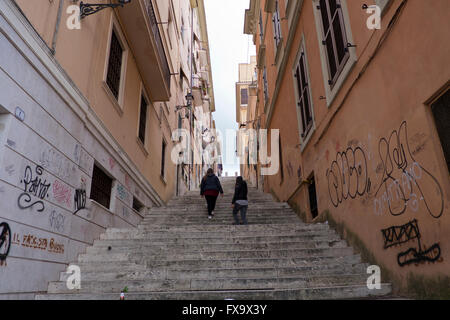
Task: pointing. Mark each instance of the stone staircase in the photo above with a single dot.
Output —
(177, 253)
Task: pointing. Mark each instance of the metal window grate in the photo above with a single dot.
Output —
(114, 65)
(441, 113)
(143, 119)
(101, 187)
(244, 96)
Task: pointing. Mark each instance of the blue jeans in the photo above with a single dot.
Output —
(243, 210)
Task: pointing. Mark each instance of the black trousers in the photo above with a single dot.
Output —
(211, 200)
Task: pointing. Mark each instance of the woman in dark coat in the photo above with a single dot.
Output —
(240, 201)
(210, 189)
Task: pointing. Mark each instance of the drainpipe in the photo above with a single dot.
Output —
(191, 164)
(58, 22)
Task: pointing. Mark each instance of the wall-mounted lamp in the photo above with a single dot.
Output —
(189, 99)
(87, 9)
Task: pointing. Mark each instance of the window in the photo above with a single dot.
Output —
(182, 28)
(244, 96)
(261, 27)
(276, 24)
(180, 121)
(163, 158)
(280, 155)
(303, 95)
(266, 85)
(143, 119)
(334, 38)
(137, 205)
(101, 187)
(441, 112)
(114, 65)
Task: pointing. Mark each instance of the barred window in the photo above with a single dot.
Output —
(143, 119)
(334, 37)
(244, 96)
(114, 65)
(101, 187)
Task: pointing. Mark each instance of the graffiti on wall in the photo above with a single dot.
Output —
(404, 181)
(5, 242)
(57, 221)
(348, 176)
(62, 193)
(397, 235)
(38, 243)
(35, 186)
(399, 184)
(55, 162)
(122, 193)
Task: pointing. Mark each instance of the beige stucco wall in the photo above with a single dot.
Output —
(390, 97)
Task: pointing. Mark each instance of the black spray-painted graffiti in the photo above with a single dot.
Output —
(5, 241)
(348, 176)
(404, 181)
(33, 186)
(398, 235)
(80, 200)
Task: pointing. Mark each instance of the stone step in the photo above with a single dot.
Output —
(143, 234)
(211, 255)
(335, 292)
(218, 240)
(194, 264)
(164, 273)
(215, 221)
(209, 246)
(211, 284)
(226, 230)
(177, 253)
(201, 212)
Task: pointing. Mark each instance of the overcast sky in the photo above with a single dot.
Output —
(229, 46)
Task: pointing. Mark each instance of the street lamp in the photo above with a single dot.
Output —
(87, 9)
(189, 99)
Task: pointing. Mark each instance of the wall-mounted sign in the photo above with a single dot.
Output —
(20, 114)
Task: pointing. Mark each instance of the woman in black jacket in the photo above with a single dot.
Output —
(240, 201)
(210, 189)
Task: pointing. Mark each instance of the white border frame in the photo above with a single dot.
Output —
(332, 93)
(303, 140)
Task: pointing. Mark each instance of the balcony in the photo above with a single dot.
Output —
(141, 27)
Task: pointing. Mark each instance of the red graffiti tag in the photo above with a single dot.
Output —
(62, 193)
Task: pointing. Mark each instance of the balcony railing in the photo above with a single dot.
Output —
(158, 41)
(139, 22)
